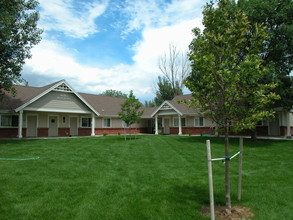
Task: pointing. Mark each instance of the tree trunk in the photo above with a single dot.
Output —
(227, 171)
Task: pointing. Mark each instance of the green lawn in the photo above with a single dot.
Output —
(152, 177)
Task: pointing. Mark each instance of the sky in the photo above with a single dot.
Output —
(96, 45)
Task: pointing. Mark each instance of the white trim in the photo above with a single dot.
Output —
(93, 125)
(20, 124)
(51, 89)
(57, 110)
(166, 102)
(180, 125)
(156, 125)
(103, 125)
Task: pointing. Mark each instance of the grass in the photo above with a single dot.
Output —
(152, 177)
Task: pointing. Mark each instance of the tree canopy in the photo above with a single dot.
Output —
(227, 70)
(131, 111)
(166, 91)
(114, 93)
(277, 52)
(18, 34)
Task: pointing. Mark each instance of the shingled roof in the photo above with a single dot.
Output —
(23, 95)
(106, 106)
(183, 108)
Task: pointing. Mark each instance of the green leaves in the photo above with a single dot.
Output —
(130, 110)
(18, 34)
(227, 68)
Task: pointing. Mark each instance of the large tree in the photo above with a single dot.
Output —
(166, 91)
(114, 93)
(226, 73)
(18, 34)
(131, 111)
(175, 67)
(277, 16)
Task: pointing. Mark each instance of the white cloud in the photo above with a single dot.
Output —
(53, 60)
(73, 20)
(157, 13)
(50, 58)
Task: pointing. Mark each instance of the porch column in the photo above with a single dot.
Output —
(20, 119)
(93, 125)
(180, 126)
(156, 125)
(289, 125)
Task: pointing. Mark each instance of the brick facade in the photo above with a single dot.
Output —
(43, 132)
(11, 132)
(63, 132)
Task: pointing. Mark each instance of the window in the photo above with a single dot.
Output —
(86, 122)
(198, 121)
(9, 120)
(107, 122)
(259, 123)
(176, 122)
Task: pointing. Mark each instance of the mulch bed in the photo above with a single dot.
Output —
(237, 213)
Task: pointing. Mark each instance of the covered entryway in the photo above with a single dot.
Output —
(53, 126)
(73, 126)
(32, 126)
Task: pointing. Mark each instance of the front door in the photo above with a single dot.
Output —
(166, 126)
(53, 126)
(73, 126)
(31, 125)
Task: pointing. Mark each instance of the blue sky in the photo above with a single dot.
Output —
(97, 45)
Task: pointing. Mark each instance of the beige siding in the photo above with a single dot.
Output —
(43, 120)
(116, 123)
(99, 122)
(189, 121)
(62, 101)
(168, 112)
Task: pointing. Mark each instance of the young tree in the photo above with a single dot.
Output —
(226, 73)
(130, 110)
(114, 93)
(18, 34)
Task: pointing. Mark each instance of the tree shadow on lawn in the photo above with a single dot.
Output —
(234, 141)
(198, 196)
